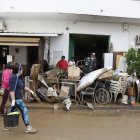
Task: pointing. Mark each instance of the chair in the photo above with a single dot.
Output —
(88, 91)
(119, 86)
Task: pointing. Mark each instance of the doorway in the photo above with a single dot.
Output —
(4, 51)
(32, 57)
(82, 45)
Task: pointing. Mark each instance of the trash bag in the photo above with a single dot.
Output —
(67, 102)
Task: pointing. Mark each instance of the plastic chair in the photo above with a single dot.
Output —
(119, 86)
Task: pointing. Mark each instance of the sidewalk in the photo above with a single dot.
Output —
(101, 110)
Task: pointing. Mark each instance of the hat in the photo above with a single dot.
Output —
(93, 53)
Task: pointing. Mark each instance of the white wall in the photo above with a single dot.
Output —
(119, 37)
(115, 8)
(21, 56)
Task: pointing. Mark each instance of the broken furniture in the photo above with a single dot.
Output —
(47, 92)
(74, 72)
(72, 84)
(35, 70)
(88, 91)
(28, 95)
(118, 85)
(98, 92)
(102, 94)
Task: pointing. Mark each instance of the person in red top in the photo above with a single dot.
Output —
(62, 64)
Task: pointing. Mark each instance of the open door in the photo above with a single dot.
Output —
(4, 51)
(32, 57)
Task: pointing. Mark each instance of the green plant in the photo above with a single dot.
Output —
(133, 61)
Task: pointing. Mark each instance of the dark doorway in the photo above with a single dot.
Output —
(4, 51)
(32, 57)
(82, 45)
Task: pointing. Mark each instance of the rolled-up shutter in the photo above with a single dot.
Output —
(19, 41)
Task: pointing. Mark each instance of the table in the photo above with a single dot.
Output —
(70, 82)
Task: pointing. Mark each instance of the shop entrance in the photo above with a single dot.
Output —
(82, 45)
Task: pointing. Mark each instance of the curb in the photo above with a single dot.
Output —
(97, 111)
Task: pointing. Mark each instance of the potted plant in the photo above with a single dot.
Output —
(133, 67)
(133, 61)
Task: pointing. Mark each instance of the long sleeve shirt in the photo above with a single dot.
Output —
(5, 78)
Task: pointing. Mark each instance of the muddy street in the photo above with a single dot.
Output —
(75, 125)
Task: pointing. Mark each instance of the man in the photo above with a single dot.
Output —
(94, 61)
(62, 64)
(90, 63)
(71, 62)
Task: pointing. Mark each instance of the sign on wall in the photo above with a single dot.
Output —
(57, 56)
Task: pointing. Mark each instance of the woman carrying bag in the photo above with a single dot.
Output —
(17, 87)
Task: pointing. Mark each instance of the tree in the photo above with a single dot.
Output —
(133, 61)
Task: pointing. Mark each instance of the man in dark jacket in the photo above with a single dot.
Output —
(90, 63)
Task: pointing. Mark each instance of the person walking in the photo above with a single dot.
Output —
(17, 87)
(4, 91)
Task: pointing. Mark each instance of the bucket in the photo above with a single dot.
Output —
(11, 119)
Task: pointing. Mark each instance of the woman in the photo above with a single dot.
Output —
(5, 85)
(17, 88)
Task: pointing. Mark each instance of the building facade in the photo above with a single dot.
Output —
(36, 30)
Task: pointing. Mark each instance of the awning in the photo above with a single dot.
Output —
(29, 34)
(23, 38)
(19, 41)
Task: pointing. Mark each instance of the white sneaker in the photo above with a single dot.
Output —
(6, 129)
(9, 128)
(30, 129)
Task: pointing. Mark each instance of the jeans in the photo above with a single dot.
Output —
(21, 106)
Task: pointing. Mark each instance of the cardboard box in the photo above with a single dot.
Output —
(73, 72)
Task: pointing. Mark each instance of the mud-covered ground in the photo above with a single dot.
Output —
(75, 125)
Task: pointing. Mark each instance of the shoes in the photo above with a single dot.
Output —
(9, 128)
(30, 130)
(6, 129)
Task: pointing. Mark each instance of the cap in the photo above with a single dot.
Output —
(93, 53)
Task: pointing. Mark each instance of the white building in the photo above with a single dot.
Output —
(33, 30)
